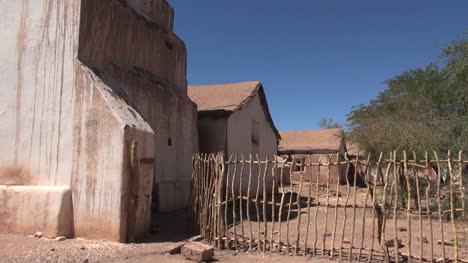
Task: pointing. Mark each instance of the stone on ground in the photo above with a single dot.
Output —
(60, 238)
(173, 249)
(197, 251)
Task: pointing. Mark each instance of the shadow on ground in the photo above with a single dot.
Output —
(168, 227)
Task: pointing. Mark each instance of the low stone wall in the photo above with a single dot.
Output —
(27, 209)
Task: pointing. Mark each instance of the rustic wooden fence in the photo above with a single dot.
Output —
(406, 209)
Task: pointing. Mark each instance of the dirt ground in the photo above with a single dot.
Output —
(317, 225)
(20, 248)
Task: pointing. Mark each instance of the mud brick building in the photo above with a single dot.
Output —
(311, 147)
(96, 125)
(235, 119)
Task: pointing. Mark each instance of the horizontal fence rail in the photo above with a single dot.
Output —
(389, 208)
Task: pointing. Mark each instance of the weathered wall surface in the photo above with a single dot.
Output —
(63, 125)
(212, 134)
(106, 126)
(240, 130)
(132, 43)
(37, 69)
(27, 209)
(155, 83)
(239, 139)
(332, 174)
(158, 10)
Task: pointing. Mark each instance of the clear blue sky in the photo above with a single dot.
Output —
(316, 58)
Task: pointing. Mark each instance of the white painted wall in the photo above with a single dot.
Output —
(60, 125)
(239, 140)
(37, 69)
(239, 130)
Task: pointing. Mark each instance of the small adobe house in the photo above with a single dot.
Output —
(96, 125)
(310, 147)
(235, 119)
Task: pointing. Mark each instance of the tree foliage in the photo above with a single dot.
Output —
(421, 109)
(329, 123)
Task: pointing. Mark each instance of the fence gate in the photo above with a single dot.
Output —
(387, 208)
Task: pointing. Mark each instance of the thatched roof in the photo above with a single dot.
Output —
(318, 141)
(223, 100)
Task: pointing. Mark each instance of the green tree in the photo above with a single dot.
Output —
(329, 123)
(421, 109)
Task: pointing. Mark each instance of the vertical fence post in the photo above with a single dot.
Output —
(327, 204)
(257, 209)
(408, 208)
(219, 193)
(395, 209)
(293, 164)
(332, 249)
(202, 195)
(273, 201)
(354, 209)
(418, 196)
(428, 205)
(241, 200)
(366, 171)
(234, 200)
(452, 205)
(227, 190)
(299, 197)
(462, 192)
(317, 206)
(264, 212)
(248, 203)
(440, 206)
(309, 197)
(373, 191)
(348, 189)
(385, 211)
(283, 194)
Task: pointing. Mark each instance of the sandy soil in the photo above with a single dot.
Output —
(20, 248)
(323, 223)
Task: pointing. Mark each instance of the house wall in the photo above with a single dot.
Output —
(239, 130)
(239, 141)
(323, 174)
(66, 125)
(161, 11)
(26, 209)
(312, 173)
(106, 127)
(37, 69)
(154, 81)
